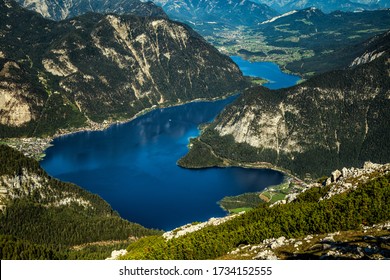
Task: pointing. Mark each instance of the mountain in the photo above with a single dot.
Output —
(320, 42)
(100, 68)
(39, 209)
(306, 41)
(283, 6)
(313, 29)
(230, 13)
(59, 10)
(372, 49)
(380, 3)
(335, 119)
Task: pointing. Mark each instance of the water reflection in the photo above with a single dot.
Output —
(266, 70)
(133, 167)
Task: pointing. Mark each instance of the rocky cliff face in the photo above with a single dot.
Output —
(373, 48)
(97, 68)
(336, 119)
(59, 10)
(15, 95)
(30, 184)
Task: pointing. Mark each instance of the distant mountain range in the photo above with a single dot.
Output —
(230, 13)
(311, 26)
(323, 41)
(96, 68)
(335, 119)
(283, 6)
(380, 3)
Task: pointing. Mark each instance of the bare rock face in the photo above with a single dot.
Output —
(116, 254)
(365, 58)
(336, 175)
(59, 10)
(350, 178)
(188, 228)
(14, 111)
(376, 47)
(28, 184)
(15, 95)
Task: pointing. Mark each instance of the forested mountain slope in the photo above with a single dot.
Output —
(336, 119)
(42, 210)
(100, 68)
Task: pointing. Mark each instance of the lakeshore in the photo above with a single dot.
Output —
(133, 167)
(141, 154)
(35, 147)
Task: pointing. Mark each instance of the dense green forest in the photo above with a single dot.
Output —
(37, 217)
(65, 225)
(12, 162)
(12, 248)
(367, 205)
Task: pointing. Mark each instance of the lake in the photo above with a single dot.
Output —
(268, 71)
(133, 167)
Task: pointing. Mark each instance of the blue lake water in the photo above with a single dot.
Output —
(133, 167)
(266, 70)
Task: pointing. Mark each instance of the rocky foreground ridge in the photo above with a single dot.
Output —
(339, 182)
(368, 242)
(348, 179)
(363, 241)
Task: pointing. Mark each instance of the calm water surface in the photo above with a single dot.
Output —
(266, 70)
(133, 167)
